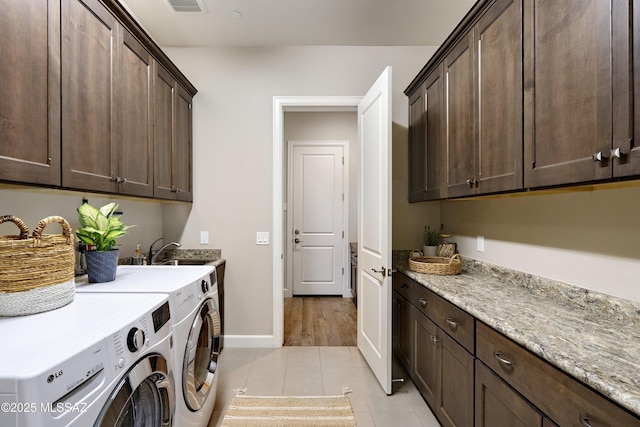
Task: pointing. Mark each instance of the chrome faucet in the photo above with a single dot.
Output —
(153, 254)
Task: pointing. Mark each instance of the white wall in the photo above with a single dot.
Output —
(233, 142)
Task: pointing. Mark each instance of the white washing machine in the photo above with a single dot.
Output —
(102, 360)
(193, 300)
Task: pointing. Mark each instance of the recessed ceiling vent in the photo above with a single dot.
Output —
(188, 6)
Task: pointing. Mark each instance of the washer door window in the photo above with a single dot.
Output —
(143, 398)
(201, 356)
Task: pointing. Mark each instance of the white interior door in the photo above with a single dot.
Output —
(374, 229)
(317, 232)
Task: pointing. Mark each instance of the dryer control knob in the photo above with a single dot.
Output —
(205, 286)
(121, 362)
(135, 339)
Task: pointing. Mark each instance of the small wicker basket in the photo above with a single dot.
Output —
(37, 272)
(435, 265)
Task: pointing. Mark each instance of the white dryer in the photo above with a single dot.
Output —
(193, 300)
(102, 360)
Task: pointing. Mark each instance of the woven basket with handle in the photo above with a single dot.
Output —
(37, 272)
(434, 264)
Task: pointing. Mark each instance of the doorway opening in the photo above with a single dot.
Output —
(280, 229)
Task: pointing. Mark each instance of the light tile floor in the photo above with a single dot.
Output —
(318, 371)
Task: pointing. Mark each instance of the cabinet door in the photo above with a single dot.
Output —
(89, 61)
(135, 119)
(434, 136)
(632, 161)
(30, 91)
(460, 118)
(182, 158)
(425, 372)
(568, 91)
(402, 335)
(416, 146)
(164, 87)
(499, 52)
(455, 391)
(497, 404)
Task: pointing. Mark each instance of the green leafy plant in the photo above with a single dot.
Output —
(431, 236)
(100, 227)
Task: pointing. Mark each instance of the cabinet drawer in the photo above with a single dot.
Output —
(403, 285)
(454, 321)
(555, 393)
(424, 300)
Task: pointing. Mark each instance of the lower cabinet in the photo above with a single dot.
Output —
(501, 385)
(497, 404)
(443, 372)
(402, 337)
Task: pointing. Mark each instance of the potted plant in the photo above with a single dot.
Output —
(99, 230)
(430, 241)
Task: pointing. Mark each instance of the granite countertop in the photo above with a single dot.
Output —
(591, 336)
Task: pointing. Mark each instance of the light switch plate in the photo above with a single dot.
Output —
(262, 238)
(204, 237)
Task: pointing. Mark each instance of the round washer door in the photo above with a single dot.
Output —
(201, 355)
(144, 397)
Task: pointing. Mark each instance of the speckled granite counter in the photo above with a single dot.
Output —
(211, 256)
(592, 337)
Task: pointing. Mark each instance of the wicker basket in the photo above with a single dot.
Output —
(435, 265)
(37, 272)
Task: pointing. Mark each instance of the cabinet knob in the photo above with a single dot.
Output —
(423, 302)
(598, 157)
(617, 153)
(434, 340)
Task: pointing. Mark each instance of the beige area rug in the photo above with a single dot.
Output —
(307, 411)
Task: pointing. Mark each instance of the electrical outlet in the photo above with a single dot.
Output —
(480, 244)
(204, 237)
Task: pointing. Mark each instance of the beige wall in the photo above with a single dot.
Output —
(31, 204)
(233, 142)
(586, 236)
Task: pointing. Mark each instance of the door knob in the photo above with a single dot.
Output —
(296, 232)
(296, 240)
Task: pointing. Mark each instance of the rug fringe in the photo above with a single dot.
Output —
(346, 390)
(239, 391)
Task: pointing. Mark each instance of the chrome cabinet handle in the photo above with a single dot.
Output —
(451, 322)
(471, 182)
(434, 339)
(598, 157)
(618, 153)
(502, 360)
(423, 302)
(585, 421)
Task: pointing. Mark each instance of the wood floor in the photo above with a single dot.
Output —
(320, 321)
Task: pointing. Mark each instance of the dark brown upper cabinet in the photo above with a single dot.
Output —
(578, 97)
(30, 91)
(426, 140)
(484, 104)
(172, 139)
(107, 138)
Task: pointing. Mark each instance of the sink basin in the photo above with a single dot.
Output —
(184, 262)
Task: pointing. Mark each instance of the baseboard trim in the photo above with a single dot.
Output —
(248, 341)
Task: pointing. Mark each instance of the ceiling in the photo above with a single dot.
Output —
(301, 22)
